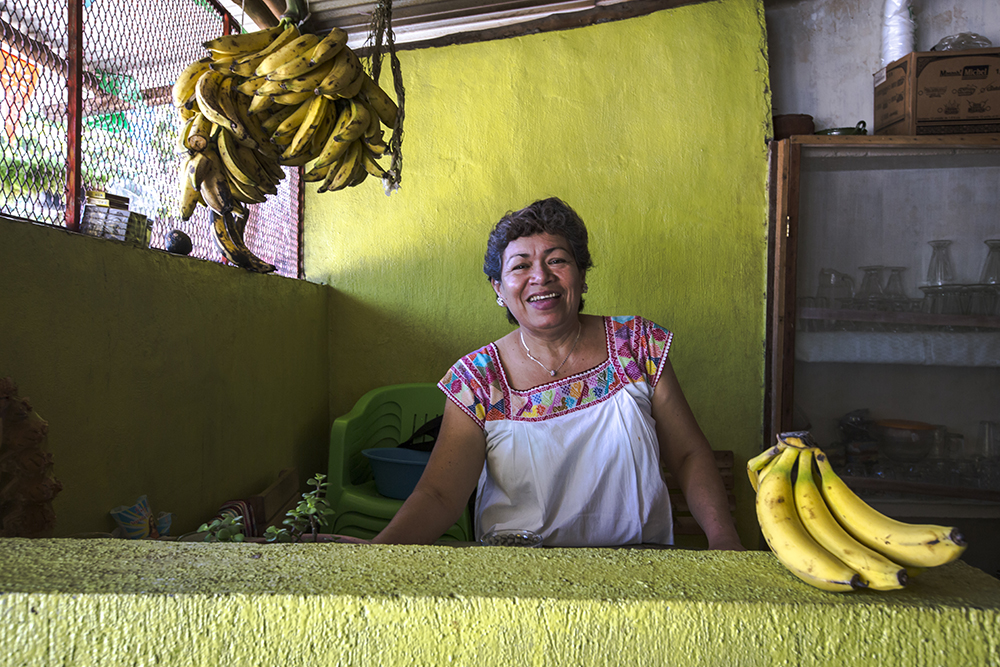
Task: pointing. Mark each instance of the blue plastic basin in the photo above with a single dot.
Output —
(396, 470)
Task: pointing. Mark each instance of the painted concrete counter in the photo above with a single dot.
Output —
(113, 602)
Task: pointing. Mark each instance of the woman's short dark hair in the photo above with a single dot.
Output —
(545, 216)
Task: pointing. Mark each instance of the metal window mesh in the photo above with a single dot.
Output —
(132, 53)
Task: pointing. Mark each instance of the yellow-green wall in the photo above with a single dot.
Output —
(652, 128)
(187, 381)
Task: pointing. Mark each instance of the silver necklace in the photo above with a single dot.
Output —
(549, 371)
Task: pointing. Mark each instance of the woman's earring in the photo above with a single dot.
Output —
(500, 301)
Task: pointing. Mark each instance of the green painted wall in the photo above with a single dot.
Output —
(187, 381)
(653, 128)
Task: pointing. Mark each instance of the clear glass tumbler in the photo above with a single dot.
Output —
(940, 271)
(991, 268)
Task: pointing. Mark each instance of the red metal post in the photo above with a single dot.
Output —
(74, 86)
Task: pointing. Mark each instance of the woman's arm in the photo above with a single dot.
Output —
(687, 454)
(444, 489)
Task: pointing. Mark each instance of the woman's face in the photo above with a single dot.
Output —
(540, 282)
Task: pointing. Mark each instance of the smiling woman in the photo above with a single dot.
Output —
(564, 423)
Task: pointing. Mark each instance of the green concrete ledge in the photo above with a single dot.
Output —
(114, 602)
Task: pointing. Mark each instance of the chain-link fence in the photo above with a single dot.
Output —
(132, 52)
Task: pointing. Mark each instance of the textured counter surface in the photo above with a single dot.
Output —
(113, 602)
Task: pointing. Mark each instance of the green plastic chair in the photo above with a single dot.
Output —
(383, 417)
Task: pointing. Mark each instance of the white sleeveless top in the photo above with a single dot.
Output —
(575, 460)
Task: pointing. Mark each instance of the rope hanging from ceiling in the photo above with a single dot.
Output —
(381, 38)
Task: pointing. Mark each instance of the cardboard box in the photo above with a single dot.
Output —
(939, 92)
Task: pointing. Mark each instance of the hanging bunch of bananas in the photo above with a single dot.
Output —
(828, 536)
(270, 99)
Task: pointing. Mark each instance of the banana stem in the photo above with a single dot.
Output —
(296, 11)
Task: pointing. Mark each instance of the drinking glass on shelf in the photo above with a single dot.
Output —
(991, 267)
(940, 271)
(870, 296)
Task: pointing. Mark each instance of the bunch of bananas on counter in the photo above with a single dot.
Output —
(829, 537)
(269, 99)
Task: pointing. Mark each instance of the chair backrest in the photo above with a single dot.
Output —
(383, 417)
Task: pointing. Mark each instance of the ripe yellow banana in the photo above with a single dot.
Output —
(290, 125)
(293, 98)
(250, 86)
(216, 103)
(315, 116)
(380, 101)
(329, 47)
(911, 545)
(241, 166)
(261, 139)
(246, 66)
(788, 538)
(354, 87)
(199, 132)
(248, 42)
(229, 239)
(346, 68)
(215, 187)
(371, 164)
(259, 103)
(182, 134)
(198, 167)
(340, 174)
(271, 123)
(246, 193)
(183, 87)
(759, 462)
(295, 48)
(189, 195)
(307, 81)
(877, 572)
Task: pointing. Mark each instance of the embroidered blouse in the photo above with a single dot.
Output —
(577, 459)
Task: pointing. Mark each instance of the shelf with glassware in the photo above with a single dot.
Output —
(888, 207)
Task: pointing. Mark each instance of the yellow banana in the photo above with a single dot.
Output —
(346, 68)
(271, 167)
(307, 81)
(260, 103)
(788, 538)
(295, 48)
(246, 66)
(246, 193)
(910, 545)
(244, 43)
(189, 195)
(340, 174)
(328, 47)
(251, 85)
(229, 239)
(291, 124)
(183, 87)
(313, 173)
(225, 65)
(270, 88)
(216, 103)
(314, 117)
(358, 123)
(182, 134)
(293, 98)
(371, 164)
(201, 129)
(332, 150)
(271, 123)
(353, 89)
(242, 166)
(759, 462)
(877, 572)
(253, 126)
(380, 101)
(215, 187)
(198, 167)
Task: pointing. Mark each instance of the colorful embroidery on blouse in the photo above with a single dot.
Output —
(476, 383)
